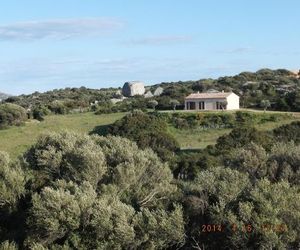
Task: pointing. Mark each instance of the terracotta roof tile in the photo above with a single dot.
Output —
(208, 95)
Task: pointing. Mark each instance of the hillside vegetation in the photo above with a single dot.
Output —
(280, 88)
(82, 175)
(70, 190)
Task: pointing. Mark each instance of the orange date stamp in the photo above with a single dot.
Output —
(246, 228)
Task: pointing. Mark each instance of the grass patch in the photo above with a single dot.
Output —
(195, 139)
(199, 138)
(16, 140)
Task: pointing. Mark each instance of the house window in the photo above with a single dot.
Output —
(201, 105)
(191, 105)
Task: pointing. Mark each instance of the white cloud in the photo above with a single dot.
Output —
(160, 40)
(58, 28)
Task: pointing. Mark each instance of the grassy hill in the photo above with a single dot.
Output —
(16, 140)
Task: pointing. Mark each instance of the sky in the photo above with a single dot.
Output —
(54, 44)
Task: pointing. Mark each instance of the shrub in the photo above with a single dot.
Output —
(65, 155)
(12, 115)
(148, 131)
(204, 121)
(288, 132)
(98, 193)
(12, 179)
(240, 137)
(244, 118)
(39, 112)
(58, 107)
(126, 105)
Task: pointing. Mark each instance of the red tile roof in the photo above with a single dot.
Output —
(208, 95)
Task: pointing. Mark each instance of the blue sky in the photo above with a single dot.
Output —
(69, 43)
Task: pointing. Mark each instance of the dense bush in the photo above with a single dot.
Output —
(250, 159)
(12, 115)
(249, 218)
(73, 98)
(288, 132)
(240, 137)
(251, 118)
(216, 120)
(147, 131)
(74, 191)
(127, 105)
(84, 192)
(189, 164)
(284, 163)
(39, 112)
(12, 181)
(58, 107)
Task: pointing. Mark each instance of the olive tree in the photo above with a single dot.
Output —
(174, 103)
(153, 103)
(265, 104)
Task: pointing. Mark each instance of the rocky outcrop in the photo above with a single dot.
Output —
(133, 88)
(148, 94)
(116, 100)
(158, 91)
(3, 96)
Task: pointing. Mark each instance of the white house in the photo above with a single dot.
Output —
(212, 101)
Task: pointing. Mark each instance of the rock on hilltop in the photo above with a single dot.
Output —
(133, 88)
(3, 96)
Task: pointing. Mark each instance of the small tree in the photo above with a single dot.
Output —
(153, 103)
(265, 104)
(174, 103)
(39, 112)
(223, 105)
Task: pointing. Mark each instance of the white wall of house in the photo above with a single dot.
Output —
(233, 102)
(209, 104)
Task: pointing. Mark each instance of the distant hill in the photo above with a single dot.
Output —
(281, 87)
(3, 96)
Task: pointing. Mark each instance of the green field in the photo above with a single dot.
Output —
(16, 140)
